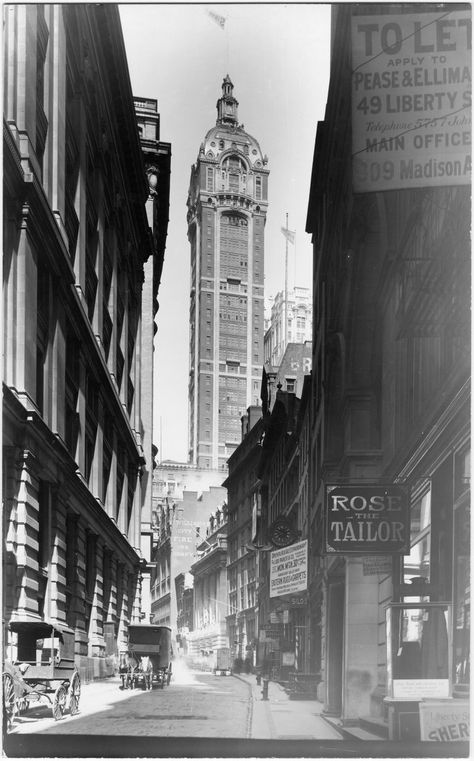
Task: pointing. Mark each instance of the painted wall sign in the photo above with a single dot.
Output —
(289, 569)
(446, 721)
(376, 564)
(367, 520)
(415, 689)
(411, 100)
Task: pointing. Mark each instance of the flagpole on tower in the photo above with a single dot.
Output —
(289, 238)
(286, 286)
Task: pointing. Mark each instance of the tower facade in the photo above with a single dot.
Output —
(227, 207)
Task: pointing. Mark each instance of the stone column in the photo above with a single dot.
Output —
(26, 539)
(57, 566)
(96, 638)
(11, 481)
(58, 367)
(360, 640)
(121, 617)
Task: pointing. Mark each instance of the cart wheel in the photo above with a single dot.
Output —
(8, 701)
(74, 694)
(59, 702)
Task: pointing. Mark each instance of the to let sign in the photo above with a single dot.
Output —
(367, 520)
(411, 100)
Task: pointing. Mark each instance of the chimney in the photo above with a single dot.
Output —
(244, 422)
(254, 414)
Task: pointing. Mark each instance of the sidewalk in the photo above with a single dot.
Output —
(280, 718)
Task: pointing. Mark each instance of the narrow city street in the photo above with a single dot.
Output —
(195, 704)
(199, 715)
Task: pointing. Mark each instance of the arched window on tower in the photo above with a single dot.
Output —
(210, 179)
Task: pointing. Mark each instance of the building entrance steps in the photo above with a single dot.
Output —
(364, 731)
(278, 717)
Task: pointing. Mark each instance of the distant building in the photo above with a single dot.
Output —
(290, 374)
(283, 493)
(178, 527)
(296, 314)
(243, 556)
(184, 583)
(227, 206)
(172, 479)
(210, 600)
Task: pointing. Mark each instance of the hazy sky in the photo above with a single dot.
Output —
(277, 56)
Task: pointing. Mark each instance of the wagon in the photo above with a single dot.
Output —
(43, 668)
(148, 658)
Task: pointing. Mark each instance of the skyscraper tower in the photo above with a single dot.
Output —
(227, 207)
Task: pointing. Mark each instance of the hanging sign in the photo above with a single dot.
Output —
(289, 569)
(367, 520)
(411, 100)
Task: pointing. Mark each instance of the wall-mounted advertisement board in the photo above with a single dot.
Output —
(289, 569)
(411, 100)
(444, 721)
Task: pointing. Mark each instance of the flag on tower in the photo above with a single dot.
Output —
(218, 19)
(289, 234)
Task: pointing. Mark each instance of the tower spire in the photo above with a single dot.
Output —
(227, 105)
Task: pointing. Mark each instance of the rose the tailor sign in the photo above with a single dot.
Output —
(411, 100)
(367, 520)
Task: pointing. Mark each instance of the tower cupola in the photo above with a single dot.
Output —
(227, 105)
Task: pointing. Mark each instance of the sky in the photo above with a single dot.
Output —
(277, 56)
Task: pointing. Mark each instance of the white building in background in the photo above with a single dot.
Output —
(297, 312)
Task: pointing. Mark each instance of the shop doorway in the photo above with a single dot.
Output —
(334, 647)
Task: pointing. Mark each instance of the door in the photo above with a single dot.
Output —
(334, 646)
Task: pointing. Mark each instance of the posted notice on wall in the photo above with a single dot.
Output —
(289, 569)
(411, 100)
(447, 721)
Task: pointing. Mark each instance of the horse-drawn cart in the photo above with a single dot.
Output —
(148, 658)
(41, 666)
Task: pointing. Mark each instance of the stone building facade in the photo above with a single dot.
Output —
(391, 390)
(76, 240)
(210, 598)
(242, 552)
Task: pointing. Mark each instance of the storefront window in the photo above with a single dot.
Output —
(461, 595)
(418, 656)
(416, 566)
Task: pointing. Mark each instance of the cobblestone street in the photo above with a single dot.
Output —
(195, 704)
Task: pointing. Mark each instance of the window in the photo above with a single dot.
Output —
(210, 179)
(43, 300)
(417, 564)
(291, 385)
(258, 188)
